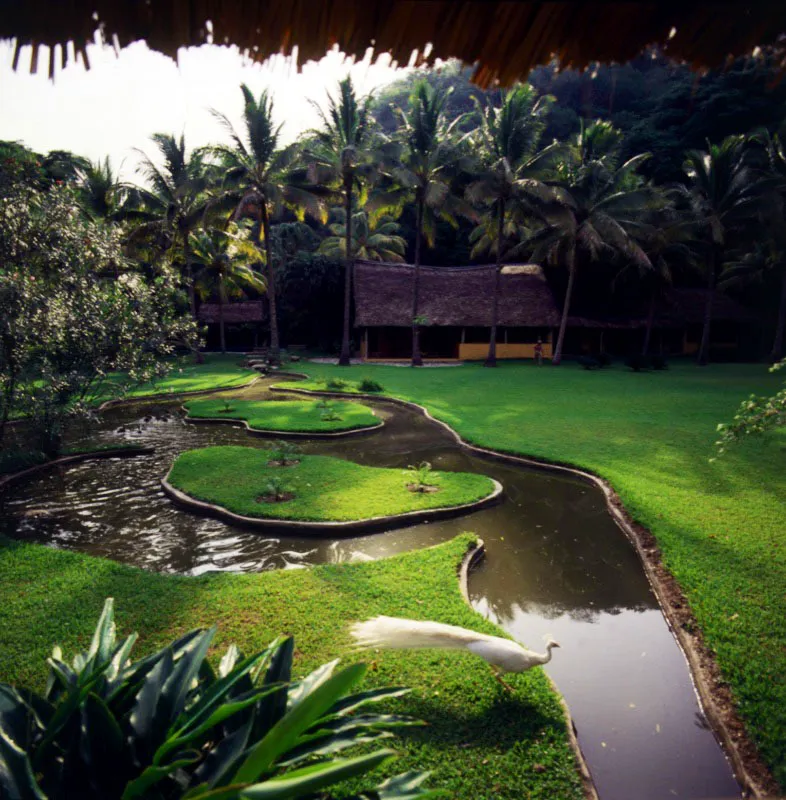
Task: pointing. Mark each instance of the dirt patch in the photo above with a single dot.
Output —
(422, 488)
(282, 497)
(226, 410)
(290, 462)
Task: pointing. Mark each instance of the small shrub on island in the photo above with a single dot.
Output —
(327, 412)
(370, 385)
(420, 475)
(276, 491)
(336, 384)
(228, 408)
(284, 454)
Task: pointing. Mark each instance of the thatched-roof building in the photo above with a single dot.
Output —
(503, 38)
(455, 305)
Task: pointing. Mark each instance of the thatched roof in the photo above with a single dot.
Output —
(234, 313)
(505, 39)
(459, 296)
(688, 306)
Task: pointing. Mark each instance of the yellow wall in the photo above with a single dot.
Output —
(477, 352)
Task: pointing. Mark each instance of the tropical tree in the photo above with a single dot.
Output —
(174, 202)
(592, 208)
(224, 261)
(341, 155)
(725, 192)
(668, 239)
(425, 172)
(100, 191)
(511, 170)
(263, 179)
(374, 239)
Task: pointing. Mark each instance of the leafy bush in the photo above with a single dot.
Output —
(420, 475)
(170, 726)
(336, 384)
(588, 362)
(370, 385)
(276, 491)
(327, 411)
(637, 362)
(285, 454)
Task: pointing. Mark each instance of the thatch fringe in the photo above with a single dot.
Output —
(504, 39)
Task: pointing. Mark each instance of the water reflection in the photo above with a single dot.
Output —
(556, 563)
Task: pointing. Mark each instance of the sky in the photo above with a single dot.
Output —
(116, 105)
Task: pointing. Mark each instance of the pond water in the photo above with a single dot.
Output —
(556, 564)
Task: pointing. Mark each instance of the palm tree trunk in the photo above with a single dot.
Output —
(274, 354)
(780, 325)
(417, 358)
(198, 357)
(566, 308)
(650, 320)
(221, 312)
(491, 358)
(703, 356)
(344, 357)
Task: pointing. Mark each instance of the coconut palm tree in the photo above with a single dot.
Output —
(372, 240)
(100, 191)
(175, 200)
(224, 261)
(592, 209)
(424, 170)
(725, 193)
(669, 241)
(341, 155)
(511, 170)
(263, 179)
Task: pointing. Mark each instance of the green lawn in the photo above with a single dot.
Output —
(287, 415)
(219, 371)
(480, 743)
(325, 489)
(721, 526)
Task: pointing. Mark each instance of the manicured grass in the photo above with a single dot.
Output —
(304, 416)
(219, 371)
(325, 489)
(721, 526)
(480, 743)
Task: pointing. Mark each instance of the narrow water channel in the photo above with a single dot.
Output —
(556, 563)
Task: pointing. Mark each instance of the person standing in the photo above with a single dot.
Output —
(539, 352)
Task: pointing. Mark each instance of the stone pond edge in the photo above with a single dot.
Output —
(713, 692)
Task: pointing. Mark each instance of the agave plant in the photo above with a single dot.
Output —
(170, 726)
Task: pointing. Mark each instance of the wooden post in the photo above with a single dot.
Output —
(364, 354)
(463, 336)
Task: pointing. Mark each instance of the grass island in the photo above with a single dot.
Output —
(286, 416)
(256, 485)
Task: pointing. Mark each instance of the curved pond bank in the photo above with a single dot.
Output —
(555, 563)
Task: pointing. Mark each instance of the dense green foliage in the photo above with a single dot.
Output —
(475, 746)
(720, 525)
(287, 415)
(169, 725)
(324, 489)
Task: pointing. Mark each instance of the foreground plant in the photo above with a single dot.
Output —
(421, 476)
(285, 454)
(170, 726)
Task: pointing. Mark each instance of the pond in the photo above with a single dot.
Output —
(556, 563)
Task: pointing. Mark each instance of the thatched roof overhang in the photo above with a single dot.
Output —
(687, 305)
(452, 296)
(234, 313)
(504, 39)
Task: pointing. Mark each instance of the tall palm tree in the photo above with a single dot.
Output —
(725, 193)
(340, 154)
(100, 191)
(175, 201)
(669, 241)
(511, 169)
(264, 179)
(425, 172)
(372, 239)
(224, 261)
(592, 208)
